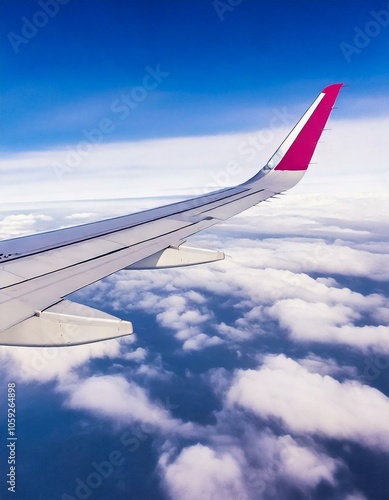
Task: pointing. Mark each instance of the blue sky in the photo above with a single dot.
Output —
(66, 77)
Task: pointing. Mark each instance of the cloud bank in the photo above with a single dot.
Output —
(193, 165)
(289, 335)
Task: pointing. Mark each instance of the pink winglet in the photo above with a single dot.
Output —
(299, 153)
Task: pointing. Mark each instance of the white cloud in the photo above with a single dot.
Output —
(52, 363)
(328, 366)
(309, 403)
(138, 355)
(284, 459)
(156, 292)
(200, 341)
(82, 216)
(261, 466)
(114, 396)
(21, 224)
(306, 467)
(179, 318)
(355, 496)
(313, 213)
(177, 315)
(331, 323)
(120, 400)
(381, 314)
(235, 333)
(200, 472)
(191, 164)
(155, 371)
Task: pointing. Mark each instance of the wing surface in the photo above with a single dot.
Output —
(38, 271)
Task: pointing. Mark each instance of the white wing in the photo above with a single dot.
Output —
(38, 271)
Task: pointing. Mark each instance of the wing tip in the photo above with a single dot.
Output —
(334, 87)
(302, 145)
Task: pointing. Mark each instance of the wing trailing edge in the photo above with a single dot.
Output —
(66, 324)
(180, 256)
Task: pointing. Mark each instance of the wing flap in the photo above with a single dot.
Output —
(65, 324)
(178, 257)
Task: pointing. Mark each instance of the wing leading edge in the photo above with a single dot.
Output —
(38, 271)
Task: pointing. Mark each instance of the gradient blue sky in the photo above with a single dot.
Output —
(67, 76)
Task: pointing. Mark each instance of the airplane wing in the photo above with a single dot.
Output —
(38, 271)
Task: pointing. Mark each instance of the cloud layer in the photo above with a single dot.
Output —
(193, 165)
(310, 403)
(262, 359)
